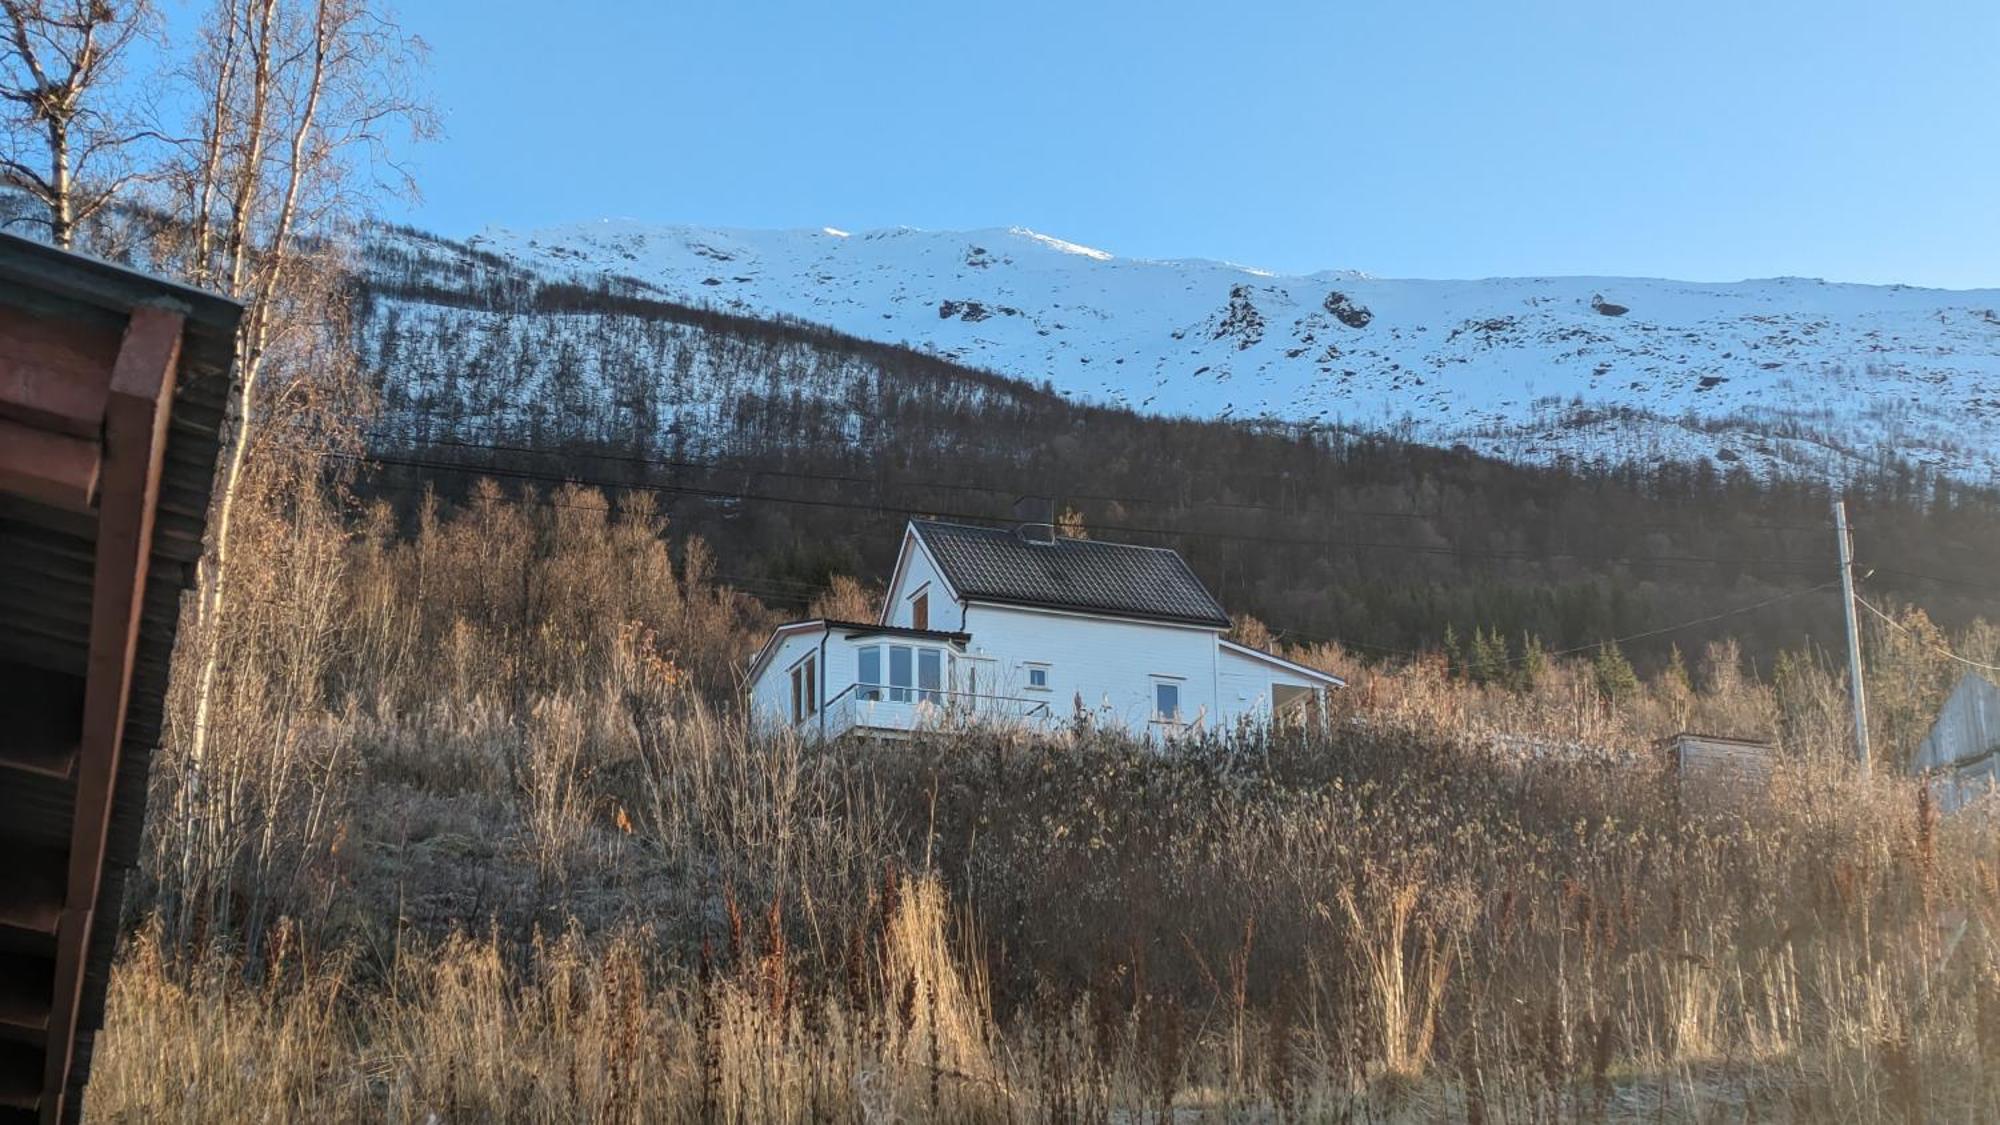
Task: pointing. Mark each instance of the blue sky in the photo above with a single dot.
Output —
(1699, 140)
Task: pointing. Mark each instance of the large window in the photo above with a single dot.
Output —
(915, 673)
(870, 686)
(805, 688)
(1166, 701)
(930, 675)
(899, 673)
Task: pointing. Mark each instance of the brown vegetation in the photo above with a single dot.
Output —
(457, 818)
(497, 846)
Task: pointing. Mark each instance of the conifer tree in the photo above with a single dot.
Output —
(1489, 656)
(1534, 665)
(1612, 673)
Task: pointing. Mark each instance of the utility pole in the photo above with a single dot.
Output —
(1855, 688)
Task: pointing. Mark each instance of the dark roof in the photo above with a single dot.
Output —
(870, 629)
(51, 581)
(1085, 575)
(851, 629)
(1698, 736)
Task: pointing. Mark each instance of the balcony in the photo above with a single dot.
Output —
(880, 709)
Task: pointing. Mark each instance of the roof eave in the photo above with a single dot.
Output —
(1215, 623)
(1327, 678)
(770, 645)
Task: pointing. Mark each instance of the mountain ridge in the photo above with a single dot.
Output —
(1777, 375)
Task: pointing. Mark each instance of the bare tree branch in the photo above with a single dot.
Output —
(59, 63)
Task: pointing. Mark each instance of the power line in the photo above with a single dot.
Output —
(801, 592)
(1574, 650)
(1675, 628)
(996, 490)
(1908, 632)
(847, 478)
(1922, 576)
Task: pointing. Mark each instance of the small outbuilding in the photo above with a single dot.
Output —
(1961, 754)
(1692, 754)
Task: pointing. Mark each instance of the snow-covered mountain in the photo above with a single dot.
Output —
(1788, 373)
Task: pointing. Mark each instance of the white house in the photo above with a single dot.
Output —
(1023, 627)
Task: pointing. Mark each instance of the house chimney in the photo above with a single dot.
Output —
(1036, 516)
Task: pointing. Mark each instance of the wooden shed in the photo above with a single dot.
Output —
(113, 387)
(1692, 754)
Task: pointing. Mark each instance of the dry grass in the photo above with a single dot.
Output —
(508, 861)
(568, 1028)
(1446, 937)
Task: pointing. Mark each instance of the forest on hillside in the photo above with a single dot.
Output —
(797, 453)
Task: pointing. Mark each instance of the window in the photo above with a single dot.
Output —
(1038, 677)
(805, 688)
(870, 686)
(1166, 701)
(930, 675)
(899, 673)
(920, 609)
(915, 673)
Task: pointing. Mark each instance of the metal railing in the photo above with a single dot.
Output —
(898, 708)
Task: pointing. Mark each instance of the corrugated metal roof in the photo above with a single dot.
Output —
(1085, 575)
(50, 586)
(1966, 730)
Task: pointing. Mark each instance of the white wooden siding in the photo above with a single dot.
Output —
(1243, 687)
(1245, 683)
(1967, 727)
(771, 691)
(914, 571)
(1108, 664)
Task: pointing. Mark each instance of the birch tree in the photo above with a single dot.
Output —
(72, 133)
(289, 145)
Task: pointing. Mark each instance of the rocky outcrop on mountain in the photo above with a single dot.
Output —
(1346, 311)
(1241, 322)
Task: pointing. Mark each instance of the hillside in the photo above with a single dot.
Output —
(1785, 374)
(797, 451)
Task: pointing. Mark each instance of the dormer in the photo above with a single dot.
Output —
(919, 595)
